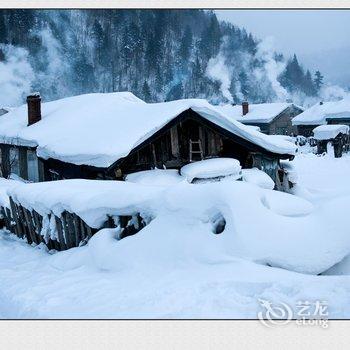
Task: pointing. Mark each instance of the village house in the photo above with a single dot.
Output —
(334, 112)
(271, 118)
(110, 135)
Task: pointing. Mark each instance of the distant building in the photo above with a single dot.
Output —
(271, 118)
(332, 138)
(335, 112)
(107, 136)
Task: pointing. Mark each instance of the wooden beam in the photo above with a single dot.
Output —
(60, 233)
(174, 137)
(18, 228)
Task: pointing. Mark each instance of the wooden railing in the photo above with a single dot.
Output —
(61, 232)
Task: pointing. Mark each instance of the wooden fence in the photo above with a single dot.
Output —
(69, 229)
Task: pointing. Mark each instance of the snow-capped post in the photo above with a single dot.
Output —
(34, 108)
(245, 107)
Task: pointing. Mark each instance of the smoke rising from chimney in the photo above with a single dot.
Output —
(218, 71)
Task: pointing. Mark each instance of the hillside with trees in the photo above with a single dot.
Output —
(157, 54)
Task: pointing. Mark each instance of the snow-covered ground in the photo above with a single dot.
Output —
(273, 247)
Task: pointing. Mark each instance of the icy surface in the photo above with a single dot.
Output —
(258, 177)
(326, 132)
(176, 267)
(211, 168)
(98, 129)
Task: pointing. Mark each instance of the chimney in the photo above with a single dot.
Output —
(34, 108)
(245, 107)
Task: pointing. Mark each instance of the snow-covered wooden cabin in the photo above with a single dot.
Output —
(107, 136)
(334, 112)
(332, 138)
(271, 118)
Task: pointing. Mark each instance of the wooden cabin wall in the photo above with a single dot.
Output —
(171, 149)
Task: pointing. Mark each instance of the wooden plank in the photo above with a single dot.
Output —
(59, 228)
(174, 137)
(25, 227)
(18, 230)
(29, 225)
(5, 218)
(82, 229)
(76, 225)
(12, 223)
(38, 225)
(88, 230)
(70, 230)
(66, 230)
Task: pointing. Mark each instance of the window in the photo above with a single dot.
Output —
(14, 160)
(33, 168)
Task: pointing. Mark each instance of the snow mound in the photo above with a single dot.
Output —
(156, 177)
(326, 132)
(258, 177)
(283, 204)
(211, 168)
(92, 200)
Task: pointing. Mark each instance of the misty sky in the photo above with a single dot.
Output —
(304, 31)
(319, 37)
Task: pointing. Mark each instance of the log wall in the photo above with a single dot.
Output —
(61, 232)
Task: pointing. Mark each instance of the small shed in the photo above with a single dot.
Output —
(332, 137)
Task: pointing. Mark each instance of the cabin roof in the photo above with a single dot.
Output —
(319, 113)
(327, 132)
(262, 113)
(99, 129)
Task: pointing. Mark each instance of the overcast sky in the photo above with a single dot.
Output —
(302, 31)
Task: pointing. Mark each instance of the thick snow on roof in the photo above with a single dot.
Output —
(258, 113)
(318, 113)
(98, 129)
(326, 132)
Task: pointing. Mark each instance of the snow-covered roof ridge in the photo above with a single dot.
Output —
(258, 113)
(318, 113)
(98, 129)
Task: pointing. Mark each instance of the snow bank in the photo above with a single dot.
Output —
(327, 132)
(92, 200)
(258, 177)
(211, 168)
(6, 185)
(177, 267)
(156, 177)
(259, 224)
(98, 129)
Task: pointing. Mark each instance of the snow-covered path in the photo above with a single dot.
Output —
(175, 267)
